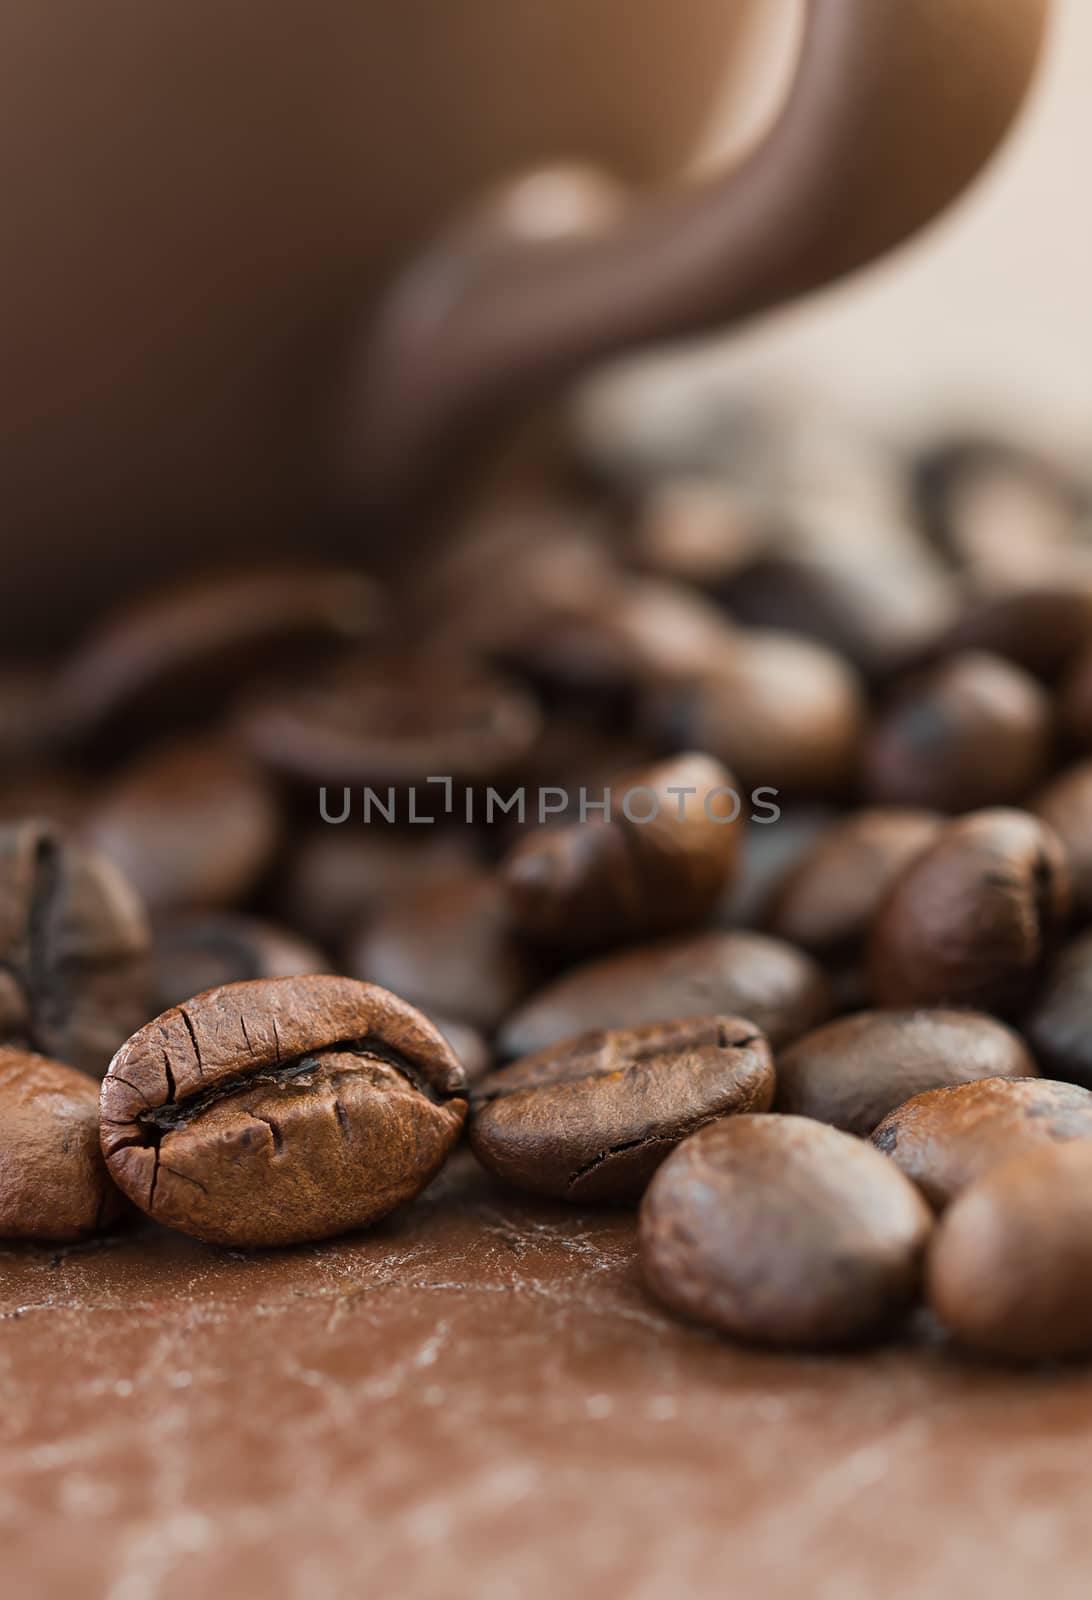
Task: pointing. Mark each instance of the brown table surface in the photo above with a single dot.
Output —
(477, 1399)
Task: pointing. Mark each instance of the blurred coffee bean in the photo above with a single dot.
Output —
(176, 655)
(1009, 1271)
(1065, 804)
(771, 849)
(447, 945)
(392, 721)
(776, 987)
(875, 608)
(643, 636)
(782, 712)
(948, 1138)
(659, 863)
(1075, 701)
(827, 900)
(508, 568)
(336, 877)
(997, 508)
(1059, 1025)
(851, 1072)
(590, 1119)
(29, 734)
(60, 793)
(975, 919)
(975, 731)
(190, 823)
(197, 950)
(784, 1232)
(696, 530)
(1041, 629)
(576, 762)
(75, 978)
(54, 1186)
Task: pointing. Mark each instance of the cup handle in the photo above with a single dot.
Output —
(895, 106)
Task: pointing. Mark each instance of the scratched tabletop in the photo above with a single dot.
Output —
(477, 1398)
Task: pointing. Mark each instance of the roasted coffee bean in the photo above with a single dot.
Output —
(191, 823)
(784, 1232)
(62, 795)
(28, 731)
(336, 877)
(780, 711)
(778, 988)
(274, 1112)
(392, 722)
(973, 732)
(877, 608)
(773, 845)
(593, 1117)
(1059, 1025)
(1075, 701)
(1065, 805)
(54, 1187)
(948, 1138)
(197, 950)
(448, 946)
(827, 901)
(1041, 629)
(853, 1071)
(658, 863)
(174, 656)
(75, 976)
(638, 637)
(975, 919)
(576, 762)
(1010, 1268)
(697, 530)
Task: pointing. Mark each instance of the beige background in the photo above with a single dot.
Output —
(988, 316)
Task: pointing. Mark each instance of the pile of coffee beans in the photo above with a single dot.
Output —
(703, 826)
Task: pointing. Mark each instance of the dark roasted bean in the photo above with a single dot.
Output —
(782, 1231)
(658, 863)
(974, 919)
(193, 823)
(1010, 1268)
(593, 1117)
(197, 950)
(975, 731)
(853, 1071)
(777, 987)
(948, 1138)
(827, 901)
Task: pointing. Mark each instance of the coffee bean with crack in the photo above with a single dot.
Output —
(54, 1187)
(591, 1119)
(75, 974)
(281, 1110)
